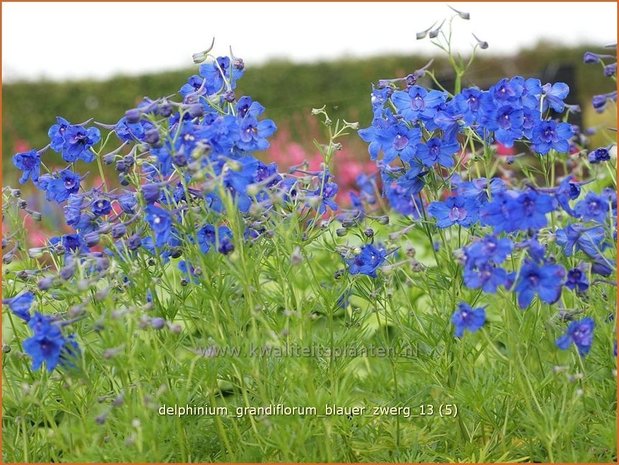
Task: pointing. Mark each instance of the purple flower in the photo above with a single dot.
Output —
(467, 318)
(30, 164)
(367, 261)
(580, 333)
(544, 280)
(599, 101)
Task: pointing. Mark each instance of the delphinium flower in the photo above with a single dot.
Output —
(481, 260)
(577, 279)
(545, 280)
(517, 210)
(579, 333)
(590, 240)
(599, 155)
(417, 103)
(367, 261)
(549, 135)
(438, 151)
(593, 208)
(48, 344)
(20, 305)
(58, 186)
(467, 318)
(462, 211)
(221, 238)
(30, 165)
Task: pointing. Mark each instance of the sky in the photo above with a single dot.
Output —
(60, 41)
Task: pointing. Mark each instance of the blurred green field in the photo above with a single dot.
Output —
(287, 90)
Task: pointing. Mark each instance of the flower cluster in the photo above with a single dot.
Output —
(185, 171)
(429, 144)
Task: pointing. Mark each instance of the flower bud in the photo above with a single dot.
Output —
(133, 115)
(118, 230)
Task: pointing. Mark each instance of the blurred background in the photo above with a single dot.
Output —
(96, 60)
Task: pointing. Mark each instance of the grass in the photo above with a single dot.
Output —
(517, 397)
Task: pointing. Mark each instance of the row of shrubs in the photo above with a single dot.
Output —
(288, 90)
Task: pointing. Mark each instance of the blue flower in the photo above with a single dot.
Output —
(189, 270)
(326, 195)
(507, 124)
(129, 132)
(462, 211)
(208, 236)
(71, 243)
(544, 280)
(20, 304)
(401, 199)
(593, 208)
(403, 143)
(577, 279)
(512, 210)
(56, 134)
(220, 71)
(437, 151)
(101, 206)
(592, 241)
(467, 318)
(59, 185)
(580, 333)
(554, 95)
(367, 261)
(253, 134)
(508, 90)
(566, 191)
(468, 103)
(486, 276)
(30, 164)
(380, 135)
(78, 142)
(160, 222)
(481, 260)
(552, 135)
(47, 343)
(412, 181)
(418, 103)
(128, 202)
(599, 155)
